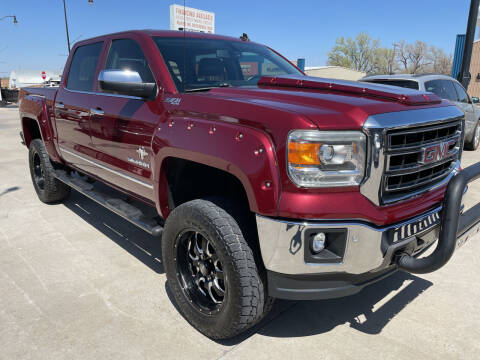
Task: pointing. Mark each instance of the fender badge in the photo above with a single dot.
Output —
(142, 154)
(173, 101)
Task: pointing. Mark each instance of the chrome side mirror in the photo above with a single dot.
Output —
(126, 82)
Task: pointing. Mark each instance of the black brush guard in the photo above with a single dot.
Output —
(455, 228)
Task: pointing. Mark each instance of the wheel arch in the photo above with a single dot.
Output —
(176, 173)
(39, 127)
(246, 154)
(30, 129)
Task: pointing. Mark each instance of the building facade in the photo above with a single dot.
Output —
(474, 85)
(334, 72)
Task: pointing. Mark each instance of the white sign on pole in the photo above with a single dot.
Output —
(191, 19)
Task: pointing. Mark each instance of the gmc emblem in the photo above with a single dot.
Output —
(436, 152)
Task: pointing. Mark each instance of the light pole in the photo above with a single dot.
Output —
(66, 24)
(66, 21)
(11, 16)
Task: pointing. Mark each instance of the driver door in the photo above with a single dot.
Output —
(122, 126)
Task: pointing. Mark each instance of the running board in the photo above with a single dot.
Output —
(118, 206)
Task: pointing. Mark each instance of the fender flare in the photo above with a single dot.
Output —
(244, 152)
(37, 112)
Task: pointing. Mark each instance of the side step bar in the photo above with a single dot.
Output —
(118, 206)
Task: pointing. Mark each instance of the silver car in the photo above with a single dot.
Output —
(447, 88)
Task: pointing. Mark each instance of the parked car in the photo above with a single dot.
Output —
(447, 88)
(264, 183)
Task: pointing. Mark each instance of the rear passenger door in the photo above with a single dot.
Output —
(122, 126)
(72, 106)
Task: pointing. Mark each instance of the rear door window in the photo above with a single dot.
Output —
(443, 88)
(126, 54)
(462, 94)
(83, 67)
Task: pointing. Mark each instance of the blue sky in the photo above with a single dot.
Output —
(305, 28)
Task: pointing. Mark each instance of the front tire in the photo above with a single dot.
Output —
(474, 143)
(48, 188)
(211, 270)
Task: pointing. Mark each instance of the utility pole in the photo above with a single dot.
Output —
(66, 24)
(90, 2)
(464, 75)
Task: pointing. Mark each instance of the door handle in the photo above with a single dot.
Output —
(97, 112)
(59, 105)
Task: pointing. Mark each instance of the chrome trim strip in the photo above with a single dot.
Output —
(140, 182)
(409, 169)
(37, 95)
(103, 93)
(415, 117)
(411, 195)
(412, 148)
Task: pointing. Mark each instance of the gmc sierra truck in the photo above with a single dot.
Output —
(264, 183)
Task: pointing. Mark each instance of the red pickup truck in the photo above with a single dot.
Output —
(265, 183)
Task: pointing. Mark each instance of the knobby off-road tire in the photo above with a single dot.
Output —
(249, 232)
(49, 189)
(211, 228)
(473, 144)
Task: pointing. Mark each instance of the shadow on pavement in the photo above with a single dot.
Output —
(137, 242)
(369, 311)
(9, 190)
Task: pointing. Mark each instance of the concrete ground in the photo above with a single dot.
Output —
(78, 282)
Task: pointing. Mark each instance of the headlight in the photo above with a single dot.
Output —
(326, 158)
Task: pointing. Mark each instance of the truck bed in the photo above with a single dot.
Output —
(47, 92)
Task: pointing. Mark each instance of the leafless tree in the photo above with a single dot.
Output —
(440, 62)
(401, 54)
(364, 54)
(417, 56)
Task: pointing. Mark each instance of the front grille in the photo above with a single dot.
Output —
(418, 158)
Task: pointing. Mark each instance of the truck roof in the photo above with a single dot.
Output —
(163, 33)
(415, 77)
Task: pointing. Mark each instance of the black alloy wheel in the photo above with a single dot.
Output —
(38, 175)
(200, 272)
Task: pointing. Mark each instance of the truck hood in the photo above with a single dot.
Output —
(329, 104)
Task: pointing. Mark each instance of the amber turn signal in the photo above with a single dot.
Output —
(303, 153)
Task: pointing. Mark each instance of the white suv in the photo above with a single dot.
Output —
(447, 88)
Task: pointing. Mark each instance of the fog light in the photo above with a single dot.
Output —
(318, 243)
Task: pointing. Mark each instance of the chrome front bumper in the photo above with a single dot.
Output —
(368, 248)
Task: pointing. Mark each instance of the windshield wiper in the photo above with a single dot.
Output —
(208, 88)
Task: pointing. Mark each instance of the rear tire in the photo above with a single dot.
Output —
(49, 189)
(474, 143)
(192, 231)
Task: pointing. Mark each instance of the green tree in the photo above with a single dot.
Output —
(385, 62)
(357, 54)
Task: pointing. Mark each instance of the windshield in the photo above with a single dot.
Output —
(199, 64)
